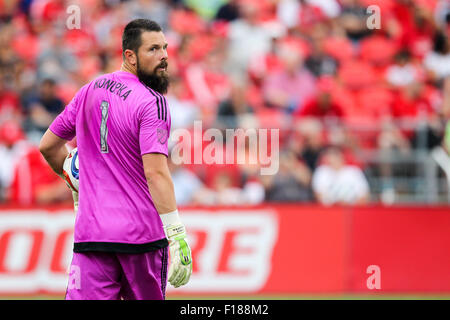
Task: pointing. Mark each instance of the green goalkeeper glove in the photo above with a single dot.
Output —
(74, 192)
(180, 267)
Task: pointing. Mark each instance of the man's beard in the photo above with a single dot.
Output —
(159, 83)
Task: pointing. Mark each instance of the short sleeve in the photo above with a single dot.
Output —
(64, 125)
(154, 129)
(320, 180)
(361, 182)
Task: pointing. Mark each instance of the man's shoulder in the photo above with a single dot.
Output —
(154, 98)
(352, 171)
(323, 169)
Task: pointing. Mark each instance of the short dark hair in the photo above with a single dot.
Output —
(440, 42)
(48, 81)
(131, 37)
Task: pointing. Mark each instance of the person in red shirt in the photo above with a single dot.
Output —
(32, 181)
(9, 103)
(322, 105)
(416, 27)
(35, 183)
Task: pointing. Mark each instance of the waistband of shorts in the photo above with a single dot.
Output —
(120, 247)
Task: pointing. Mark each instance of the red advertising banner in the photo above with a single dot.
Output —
(311, 254)
(410, 245)
(271, 249)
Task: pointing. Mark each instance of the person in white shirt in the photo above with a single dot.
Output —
(437, 61)
(336, 182)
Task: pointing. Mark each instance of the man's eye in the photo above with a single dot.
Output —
(153, 49)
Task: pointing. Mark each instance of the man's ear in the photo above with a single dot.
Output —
(130, 56)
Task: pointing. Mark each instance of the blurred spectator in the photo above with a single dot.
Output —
(248, 159)
(446, 99)
(235, 107)
(247, 37)
(10, 107)
(188, 186)
(291, 183)
(403, 72)
(7, 10)
(330, 8)
(446, 115)
(386, 88)
(442, 13)
(12, 147)
(318, 61)
(25, 177)
(10, 61)
(313, 12)
(208, 81)
(223, 192)
(56, 60)
(236, 183)
(437, 62)
(34, 182)
(207, 9)
(416, 26)
(413, 101)
(262, 65)
(182, 109)
(335, 182)
(391, 138)
(42, 108)
(353, 19)
(289, 88)
(429, 134)
(156, 10)
(308, 143)
(288, 12)
(322, 105)
(392, 143)
(304, 14)
(229, 11)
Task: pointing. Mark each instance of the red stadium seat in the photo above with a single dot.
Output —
(26, 46)
(385, 6)
(344, 98)
(269, 118)
(375, 102)
(11, 132)
(339, 48)
(357, 74)
(378, 50)
(186, 22)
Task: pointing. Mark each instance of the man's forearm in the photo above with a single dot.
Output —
(54, 150)
(162, 191)
(55, 158)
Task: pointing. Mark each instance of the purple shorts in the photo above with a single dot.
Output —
(115, 276)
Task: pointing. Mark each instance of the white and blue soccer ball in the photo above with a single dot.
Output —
(71, 170)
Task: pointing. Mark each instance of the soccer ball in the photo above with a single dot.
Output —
(71, 170)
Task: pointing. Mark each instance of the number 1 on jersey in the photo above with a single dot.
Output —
(104, 128)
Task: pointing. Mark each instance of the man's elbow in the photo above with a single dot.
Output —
(155, 175)
(44, 148)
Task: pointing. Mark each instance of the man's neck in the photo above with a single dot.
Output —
(127, 68)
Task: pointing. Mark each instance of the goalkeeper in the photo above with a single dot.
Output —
(127, 217)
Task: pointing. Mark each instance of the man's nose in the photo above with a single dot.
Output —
(164, 56)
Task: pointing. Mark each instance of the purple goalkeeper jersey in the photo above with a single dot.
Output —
(116, 120)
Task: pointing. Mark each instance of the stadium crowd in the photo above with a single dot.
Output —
(333, 82)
